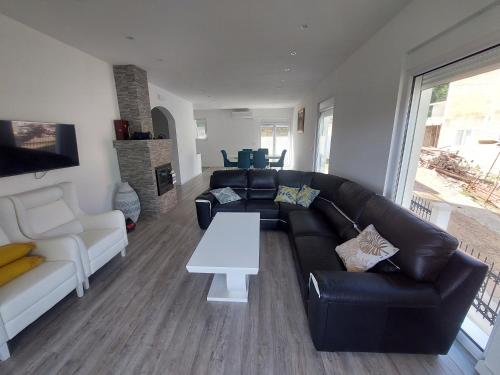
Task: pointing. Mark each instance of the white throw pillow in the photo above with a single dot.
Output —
(366, 250)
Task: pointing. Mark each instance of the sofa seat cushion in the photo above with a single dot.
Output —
(19, 294)
(309, 223)
(317, 254)
(286, 208)
(99, 240)
(268, 209)
(238, 206)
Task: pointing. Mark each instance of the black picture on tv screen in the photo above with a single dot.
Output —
(27, 146)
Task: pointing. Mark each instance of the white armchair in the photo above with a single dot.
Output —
(27, 297)
(54, 212)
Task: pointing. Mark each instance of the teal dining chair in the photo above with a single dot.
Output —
(244, 160)
(281, 162)
(265, 150)
(259, 159)
(228, 163)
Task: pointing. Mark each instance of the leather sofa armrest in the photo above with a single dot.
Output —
(388, 290)
(204, 204)
(370, 312)
(61, 248)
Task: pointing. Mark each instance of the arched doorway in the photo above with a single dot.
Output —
(164, 127)
(160, 122)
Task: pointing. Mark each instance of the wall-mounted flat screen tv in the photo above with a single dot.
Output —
(27, 146)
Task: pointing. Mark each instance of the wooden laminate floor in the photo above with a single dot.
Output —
(145, 314)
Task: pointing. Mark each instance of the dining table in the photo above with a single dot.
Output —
(268, 157)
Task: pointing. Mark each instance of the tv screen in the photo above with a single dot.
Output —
(27, 147)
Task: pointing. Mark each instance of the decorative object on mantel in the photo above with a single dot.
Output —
(121, 130)
(127, 201)
(142, 136)
(300, 120)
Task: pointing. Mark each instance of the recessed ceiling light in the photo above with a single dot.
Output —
(304, 26)
(129, 37)
(282, 80)
(293, 52)
(287, 69)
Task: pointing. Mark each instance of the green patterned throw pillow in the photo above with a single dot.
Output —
(287, 194)
(306, 196)
(225, 195)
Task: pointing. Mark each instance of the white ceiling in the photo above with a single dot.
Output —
(215, 53)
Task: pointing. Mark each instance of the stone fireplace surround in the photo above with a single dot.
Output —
(139, 158)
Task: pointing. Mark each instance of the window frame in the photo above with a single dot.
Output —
(204, 120)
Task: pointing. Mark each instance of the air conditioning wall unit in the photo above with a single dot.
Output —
(241, 113)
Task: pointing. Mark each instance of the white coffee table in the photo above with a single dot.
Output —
(230, 250)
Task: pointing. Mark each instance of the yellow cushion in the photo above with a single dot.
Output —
(13, 251)
(18, 267)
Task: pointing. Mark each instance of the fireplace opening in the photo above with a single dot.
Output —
(164, 178)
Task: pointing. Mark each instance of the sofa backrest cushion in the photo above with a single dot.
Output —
(424, 249)
(236, 179)
(295, 179)
(351, 198)
(262, 184)
(45, 213)
(327, 184)
(342, 226)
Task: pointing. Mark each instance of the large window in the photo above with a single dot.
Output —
(276, 138)
(201, 129)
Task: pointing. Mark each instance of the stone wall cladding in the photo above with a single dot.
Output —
(137, 161)
(133, 97)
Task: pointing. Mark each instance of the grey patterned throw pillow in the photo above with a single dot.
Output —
(366, 250)
(225, 195)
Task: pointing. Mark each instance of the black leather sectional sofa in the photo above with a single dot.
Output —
(415, 304)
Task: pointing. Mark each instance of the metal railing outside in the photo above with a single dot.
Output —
(421, 207)
(487, 300)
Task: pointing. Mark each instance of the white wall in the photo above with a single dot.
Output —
(185, 129)
(232, 134)
(42, 79)
(366, 89)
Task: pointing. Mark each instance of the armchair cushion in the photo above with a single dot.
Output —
(18, 267)
(99, 240)
(23, 292)
(61, 249)
(14, 251)
(107, 220)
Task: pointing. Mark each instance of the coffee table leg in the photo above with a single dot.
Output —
(231, 287)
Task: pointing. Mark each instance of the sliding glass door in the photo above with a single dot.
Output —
(451, 168)
(323, 141)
